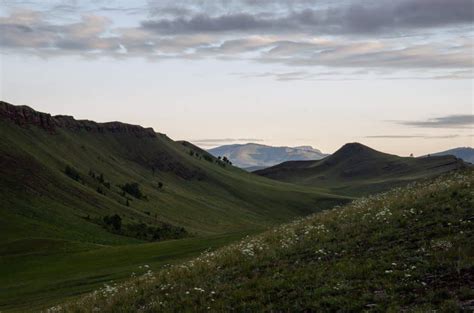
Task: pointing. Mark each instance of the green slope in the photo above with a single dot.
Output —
(50, 221)
(38, 199)
(356, 169)
(408, 250)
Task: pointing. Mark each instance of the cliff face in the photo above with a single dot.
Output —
(25, 116)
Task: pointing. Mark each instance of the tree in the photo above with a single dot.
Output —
(133, 189)
(114, 221)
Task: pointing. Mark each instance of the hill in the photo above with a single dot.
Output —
(357, 169)
(251, 156)
(407, 250)
(80, 190)
(464, 153)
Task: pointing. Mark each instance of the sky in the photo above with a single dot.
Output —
(395, 75)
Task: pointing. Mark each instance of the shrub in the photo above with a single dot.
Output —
(133, 189)
(208, 158)
(114, 221)
(72, 173)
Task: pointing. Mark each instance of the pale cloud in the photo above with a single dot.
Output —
(413, 136)
(450, 121)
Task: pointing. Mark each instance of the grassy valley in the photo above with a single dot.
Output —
(85, 203)
(406, 250)
(109, 194)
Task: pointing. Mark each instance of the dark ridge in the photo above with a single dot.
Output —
(355, 148)
(25, 116)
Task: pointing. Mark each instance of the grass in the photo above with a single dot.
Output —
(407, 250)
(57, 270)
(39, 200)
(50, 250)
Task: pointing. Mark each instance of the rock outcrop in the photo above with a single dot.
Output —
(25, 116)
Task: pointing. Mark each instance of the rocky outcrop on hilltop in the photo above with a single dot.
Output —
(26, 116)
(23, 116)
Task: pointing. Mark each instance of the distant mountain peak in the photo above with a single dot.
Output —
(353, 148)
(253, 155)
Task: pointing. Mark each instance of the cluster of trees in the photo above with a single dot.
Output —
(132, 189)
(225, 160)
(155, 233)
(142, 231)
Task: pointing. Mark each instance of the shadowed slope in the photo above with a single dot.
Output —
(198, 192)
(60, 178)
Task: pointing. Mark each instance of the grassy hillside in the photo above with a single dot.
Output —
(356, 169)
(407, 250)
(40, 200)
(62, 181)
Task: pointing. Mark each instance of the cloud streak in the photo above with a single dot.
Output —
(450, 121)
(222, 141)
(412, 136)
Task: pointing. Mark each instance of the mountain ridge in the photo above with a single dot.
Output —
(465, 153)
(25, 115)
(254, 155)
(356, 164)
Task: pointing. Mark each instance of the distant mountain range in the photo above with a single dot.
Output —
(253, 156)
(357, 169)
(464, 153)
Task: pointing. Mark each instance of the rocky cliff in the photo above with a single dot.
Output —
(26, 116)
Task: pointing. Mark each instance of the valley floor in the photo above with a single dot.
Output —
(57, 270)
(407, 250)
